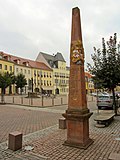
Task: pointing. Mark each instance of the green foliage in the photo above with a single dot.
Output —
(20, 81)
(6, 79)
(106, 64)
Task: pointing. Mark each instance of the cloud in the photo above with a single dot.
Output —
(30, 26)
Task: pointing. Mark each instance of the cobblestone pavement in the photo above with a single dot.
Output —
(47, 141)
(25, 120)
(106, 140)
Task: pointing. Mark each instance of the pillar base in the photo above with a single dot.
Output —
(78, 128)
(79, 145)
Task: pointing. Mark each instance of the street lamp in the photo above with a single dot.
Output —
(32, 83)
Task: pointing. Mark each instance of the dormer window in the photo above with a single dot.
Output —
(7, 57)
(54, 66)
(17, 61)
(1, 55)
(26, 63)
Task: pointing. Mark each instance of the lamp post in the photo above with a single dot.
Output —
(41, 82)
(32, 83)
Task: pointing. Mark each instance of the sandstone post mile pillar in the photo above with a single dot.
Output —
(77, 115)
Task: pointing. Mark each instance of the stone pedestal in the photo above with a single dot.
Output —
(78, 128)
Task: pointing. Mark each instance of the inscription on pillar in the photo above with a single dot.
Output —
(74, 84)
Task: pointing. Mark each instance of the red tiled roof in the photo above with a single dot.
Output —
(87, 74)
(31, 63)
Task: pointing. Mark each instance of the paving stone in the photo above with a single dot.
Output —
(29, 156)
(48, 140)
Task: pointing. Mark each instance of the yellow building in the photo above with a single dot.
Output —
(89, 83)
(60, 71)
(6, 65)
(42, 77)
(48, 74)
(38, 75)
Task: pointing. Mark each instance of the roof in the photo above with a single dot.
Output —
(56, 57)
(87, 74)
(31, 63)
(67, 68)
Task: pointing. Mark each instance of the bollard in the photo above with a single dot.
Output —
(21, 100)
(15, 141)
(31, 101)
(42, 101)
(61, 101)
(13, 100)
(62, 123)
(53, 101)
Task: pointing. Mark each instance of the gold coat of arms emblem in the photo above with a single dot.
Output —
(77, 53)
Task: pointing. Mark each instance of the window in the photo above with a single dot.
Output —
(5, 67)
(25, 71)
(41, 73)
(28, 71)
(16, 69)
(44, 74)
(44, 83)
(0, 66)
(35, 81)
(38, 73)
(21, 70)
(10, 68)
(56, 80)
(41, 82)
(34, 72)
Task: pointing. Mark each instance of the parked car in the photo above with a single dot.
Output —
(105, 93)
(106, 101)
(94, 94)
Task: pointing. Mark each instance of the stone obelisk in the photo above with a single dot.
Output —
(77, 115)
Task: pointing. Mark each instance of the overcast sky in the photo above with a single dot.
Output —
(28, 27)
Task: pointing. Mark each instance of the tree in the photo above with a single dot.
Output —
(6, 79)
(106, 66)
(20, 81)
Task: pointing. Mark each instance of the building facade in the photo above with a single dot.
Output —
(48, 74)
(38, 75)
(60, 71)
(89, 83)
(6, 65)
